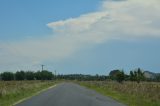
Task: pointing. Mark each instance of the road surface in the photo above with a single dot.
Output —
(69, 94)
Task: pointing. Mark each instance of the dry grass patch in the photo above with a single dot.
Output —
(12, 91)
(130, 93)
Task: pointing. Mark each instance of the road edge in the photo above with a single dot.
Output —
(14, 104)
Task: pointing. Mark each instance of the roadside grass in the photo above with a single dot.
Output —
(13, 91)
(129, 93)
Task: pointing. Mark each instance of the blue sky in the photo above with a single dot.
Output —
(88, 37)
(28, 18)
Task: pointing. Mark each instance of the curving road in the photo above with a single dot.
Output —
(69, 94)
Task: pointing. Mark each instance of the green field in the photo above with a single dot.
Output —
(129, 93)
(13, 91)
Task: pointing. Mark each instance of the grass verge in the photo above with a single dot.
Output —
(129, 93)
(12, 92)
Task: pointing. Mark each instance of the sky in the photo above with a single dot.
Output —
(80, 36)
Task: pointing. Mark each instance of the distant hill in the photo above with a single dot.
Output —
(150, 75)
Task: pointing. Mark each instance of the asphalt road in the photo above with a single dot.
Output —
(69, 94)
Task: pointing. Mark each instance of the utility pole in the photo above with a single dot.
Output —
(42, 66)
(55, 73)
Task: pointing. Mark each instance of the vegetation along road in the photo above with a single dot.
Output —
(69, 94)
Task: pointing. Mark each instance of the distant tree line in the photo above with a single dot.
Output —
(27, 75)
(47, 75)
(136, 75)
(81, 77)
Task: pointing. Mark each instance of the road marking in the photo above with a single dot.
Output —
(33, 95)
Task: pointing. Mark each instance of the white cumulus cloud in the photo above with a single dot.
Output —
(123, 19)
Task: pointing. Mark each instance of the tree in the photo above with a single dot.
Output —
(20, 75)
(46, 75)
(7, 76)
(43, 75)
(38, 75)
(132, 77)
(137, 75)
(30, 75)
(120, 76)
(113, 74)
(157, 78)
